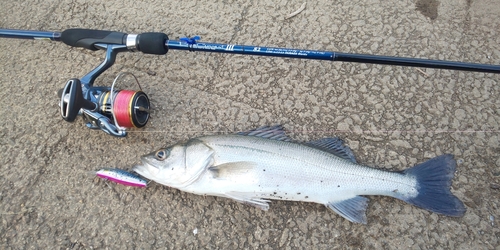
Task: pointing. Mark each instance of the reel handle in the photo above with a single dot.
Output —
(72, 100)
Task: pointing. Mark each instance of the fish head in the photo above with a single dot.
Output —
(165, 165)
(175, 166)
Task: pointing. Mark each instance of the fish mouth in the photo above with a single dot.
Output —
(146, 169)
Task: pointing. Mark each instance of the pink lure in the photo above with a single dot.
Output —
(121, 176)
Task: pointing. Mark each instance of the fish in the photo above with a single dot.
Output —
(122, 177)
(264, 164)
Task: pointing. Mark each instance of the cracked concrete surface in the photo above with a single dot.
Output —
(392, 117)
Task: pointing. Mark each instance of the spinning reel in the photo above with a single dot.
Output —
(113, 111)
(108, 109)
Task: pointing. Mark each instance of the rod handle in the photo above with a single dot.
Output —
(147, 43)
(87, 38)
(152, 43)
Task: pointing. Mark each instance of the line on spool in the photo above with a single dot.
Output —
(129, 108)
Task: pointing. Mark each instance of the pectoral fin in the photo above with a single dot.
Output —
(353, 209)
(249, 199)
(232, 169)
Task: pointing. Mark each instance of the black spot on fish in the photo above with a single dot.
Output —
(298, 193)
(172, 168)
(274, 192)
(338, 186)
(307, 197)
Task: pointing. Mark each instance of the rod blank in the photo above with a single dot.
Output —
(30, 34)
(417, 62)
(331, 56)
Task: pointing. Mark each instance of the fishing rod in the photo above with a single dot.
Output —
(113, 111)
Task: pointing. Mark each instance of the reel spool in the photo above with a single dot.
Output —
(128, 108)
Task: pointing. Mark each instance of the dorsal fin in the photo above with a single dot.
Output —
(333, 146)
(268, 132)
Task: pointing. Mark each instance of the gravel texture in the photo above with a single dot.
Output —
(392, 118)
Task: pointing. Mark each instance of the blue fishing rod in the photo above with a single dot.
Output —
(159, 44)
(113, 111)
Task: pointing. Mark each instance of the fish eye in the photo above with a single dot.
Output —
(161, 155)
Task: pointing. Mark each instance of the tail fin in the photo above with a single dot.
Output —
(433, 184)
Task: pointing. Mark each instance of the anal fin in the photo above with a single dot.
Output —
(353, 209)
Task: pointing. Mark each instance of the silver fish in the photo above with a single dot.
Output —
(264, 164)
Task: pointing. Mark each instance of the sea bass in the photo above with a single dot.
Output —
(264, 164)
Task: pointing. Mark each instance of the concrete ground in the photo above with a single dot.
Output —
(392, 117)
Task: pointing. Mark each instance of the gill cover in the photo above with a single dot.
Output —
(180, 165)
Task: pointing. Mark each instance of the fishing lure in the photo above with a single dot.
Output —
(122, 177)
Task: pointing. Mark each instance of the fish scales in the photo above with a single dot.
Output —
(313, 173)
(260, 165)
